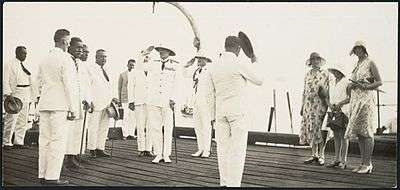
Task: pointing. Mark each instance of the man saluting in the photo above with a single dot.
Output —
(228, 79)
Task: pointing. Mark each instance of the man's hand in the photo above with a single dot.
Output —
(86, 105)
(6, 96)
(254, 59)
(70, 115)
(91, 109)
(196, 43)
(131, 106)
(171, 104)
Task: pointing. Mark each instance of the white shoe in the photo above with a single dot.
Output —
(205, 154)
(167, 160)
(157, 159)
(197, 154)
(365, 169)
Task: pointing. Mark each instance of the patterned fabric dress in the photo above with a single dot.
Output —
(362, 105)
(314, 109)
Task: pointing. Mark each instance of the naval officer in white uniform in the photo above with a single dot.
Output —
(56, 105)
(229, 77)
(162, 76)
(203, 104)
(17, 82)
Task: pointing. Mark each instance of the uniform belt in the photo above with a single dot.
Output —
(23, 85)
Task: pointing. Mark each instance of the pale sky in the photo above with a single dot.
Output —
(283, 36)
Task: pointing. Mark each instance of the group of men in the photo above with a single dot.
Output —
(69, 89)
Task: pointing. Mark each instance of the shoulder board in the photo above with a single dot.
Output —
(169, 69)
(157, 60)
(173, 61)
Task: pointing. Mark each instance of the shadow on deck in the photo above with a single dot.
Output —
(265, 167)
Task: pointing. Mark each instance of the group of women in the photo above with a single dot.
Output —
(345, 105)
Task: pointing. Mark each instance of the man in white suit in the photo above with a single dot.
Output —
(161, 100)
(138, 101)
(129, 121)
(17, 82)
(56, 105)
(203, 105)
(74, 140)
(228, 79)
(101, 98)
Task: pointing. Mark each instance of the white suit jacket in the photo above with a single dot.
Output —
(55, 82)
(139, 85)
(228, 78)
(204, 96)
(100, 88)
(13, 75)
(82, 87)
(162, 83)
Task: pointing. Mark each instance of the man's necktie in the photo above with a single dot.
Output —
(25, 70)
(76, 64)
(163, 65)
(145, 72)
(196, 79)
(105, 74)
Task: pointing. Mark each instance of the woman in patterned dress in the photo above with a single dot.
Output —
(362, 105)
(314, 107)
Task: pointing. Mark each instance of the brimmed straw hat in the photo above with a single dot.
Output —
(358, 44)
(160, 48)
(12, 104)
(200, 55)
(338, 67)
(314, 55)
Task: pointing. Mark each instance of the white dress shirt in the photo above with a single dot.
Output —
(13, 77)
(337, 92)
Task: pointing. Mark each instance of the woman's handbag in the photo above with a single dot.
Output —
(337, 120)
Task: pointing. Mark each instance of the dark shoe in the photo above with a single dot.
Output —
(7, 147)
(93, 154)
(130, 138)
(148, 154)
(101, 153)
(142, 153)
(81, 159)
(55, 182)
(311, 160)
(18, 146)
(333, 164)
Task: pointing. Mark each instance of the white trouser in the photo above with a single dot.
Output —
(17, 124)
(159, 117)
(52, 143)
(129, 121)
(75, 136)
(202, 127)
(98, 130)
(143, 130)
(231, 137)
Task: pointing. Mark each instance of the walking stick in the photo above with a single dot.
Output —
(212, 126)
(290, 111)
(174, 134)
(83, 134)
(112, 139)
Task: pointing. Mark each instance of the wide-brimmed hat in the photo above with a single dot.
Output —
(12, 105)
(112, 111)
(338, 67)
(160, 48)
(147, 50)
(358, 44)
(314, 55)
(200, 55)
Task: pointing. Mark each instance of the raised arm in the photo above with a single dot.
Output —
(250, 73)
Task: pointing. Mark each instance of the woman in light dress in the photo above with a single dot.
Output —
(365, 79)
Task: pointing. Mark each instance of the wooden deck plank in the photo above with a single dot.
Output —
(264, 167)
